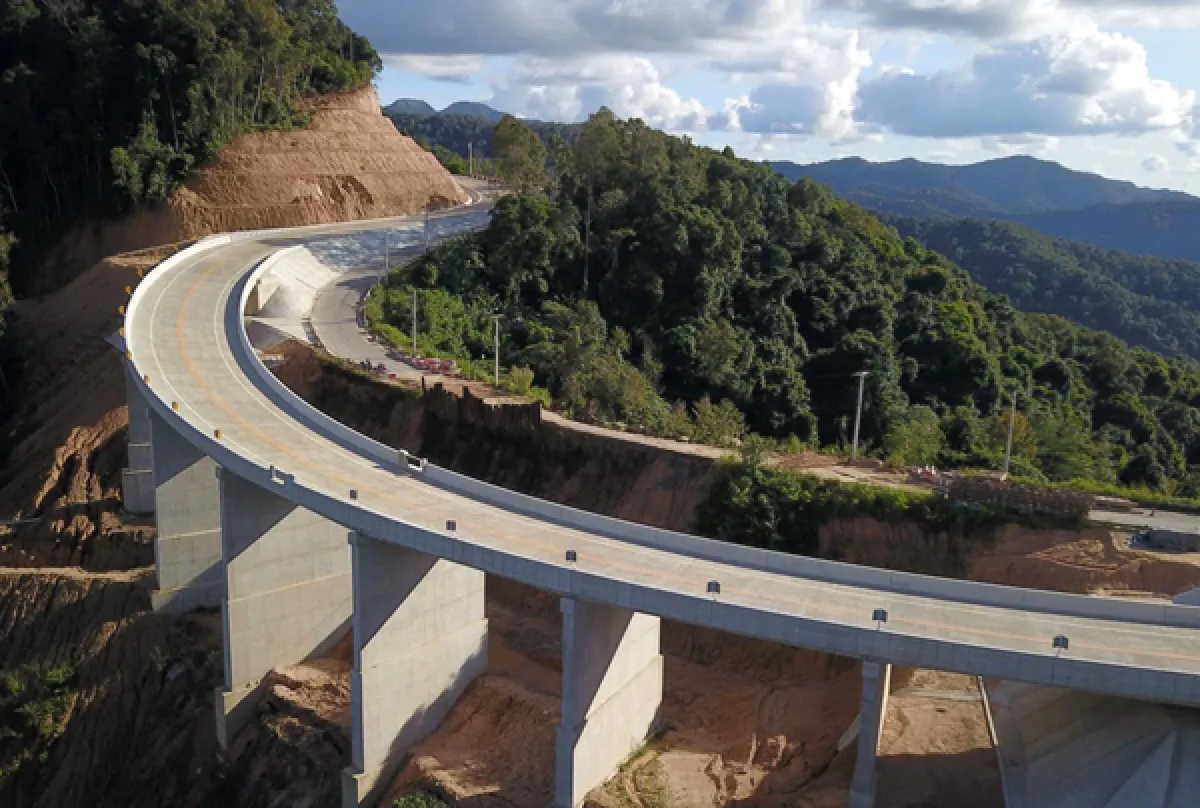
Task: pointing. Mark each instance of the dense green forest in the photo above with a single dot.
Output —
(105, 106)
(1149, 302)
(1169, 229)
(706, 294)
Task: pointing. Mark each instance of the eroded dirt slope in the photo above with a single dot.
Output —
(348, 163)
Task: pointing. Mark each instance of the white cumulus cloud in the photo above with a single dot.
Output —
(1085, 81)
(632, 87)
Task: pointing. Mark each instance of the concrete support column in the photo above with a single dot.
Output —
(287, 586)
(876, 681)
(137, 481)
(187, 550)
(612, 689)
(420, 637)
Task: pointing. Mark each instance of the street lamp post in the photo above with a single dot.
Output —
(496, 319)
(414, 297)
(1012, 427)
(862, 383)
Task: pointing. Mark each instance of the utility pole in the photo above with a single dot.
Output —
(1012, 427)
(413, 289)
(862, 383)
(428, 205)
(496, 318)
(470, 158)
(386, 253)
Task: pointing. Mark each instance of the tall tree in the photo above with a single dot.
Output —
(521, 153)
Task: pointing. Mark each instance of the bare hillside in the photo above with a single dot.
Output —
(348, 163)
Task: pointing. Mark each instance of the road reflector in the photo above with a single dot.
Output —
(451, 525)
(175, 406)
(128, 290)
(714, 587)
(129, 354)
(353, 493)
(121, 310)
(146, 378)
(217, 433)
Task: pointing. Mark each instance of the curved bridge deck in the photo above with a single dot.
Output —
(184, 329)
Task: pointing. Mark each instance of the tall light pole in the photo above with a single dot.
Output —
(470, 158)
(1012, 427)
(496, 319)
(862, 383)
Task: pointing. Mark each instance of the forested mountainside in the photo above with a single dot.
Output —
(1168, 229)
(712, 279)
(449, 132)
(107, 106)
(1001, 188)
(1147, 301)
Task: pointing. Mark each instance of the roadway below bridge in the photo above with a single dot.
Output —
(255, 493)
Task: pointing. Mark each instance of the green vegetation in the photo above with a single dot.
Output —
(1169, 229)
(34, 706)
(419, 799)
(448, 134)
(1147, 301)
(107, 106)
(714, 298)
(784, 511)
(521, 155)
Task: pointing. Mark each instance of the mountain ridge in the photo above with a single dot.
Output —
(423, 109)
(1000, 188)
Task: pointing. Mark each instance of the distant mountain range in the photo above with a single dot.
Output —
(421, 109)
(1043, 195)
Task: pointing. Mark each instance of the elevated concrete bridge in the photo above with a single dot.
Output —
(300, 529)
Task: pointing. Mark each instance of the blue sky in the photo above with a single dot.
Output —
(1099, 85)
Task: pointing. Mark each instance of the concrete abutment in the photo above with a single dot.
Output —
(612, 691)
(187, 550)
(287, 591)
(420, 637)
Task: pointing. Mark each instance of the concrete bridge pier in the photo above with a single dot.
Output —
(287, 591)
(187, 502)
(612, 690)
(137, 480)
(876, 681)
(420, 637)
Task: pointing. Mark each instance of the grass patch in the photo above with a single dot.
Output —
(34, 706)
